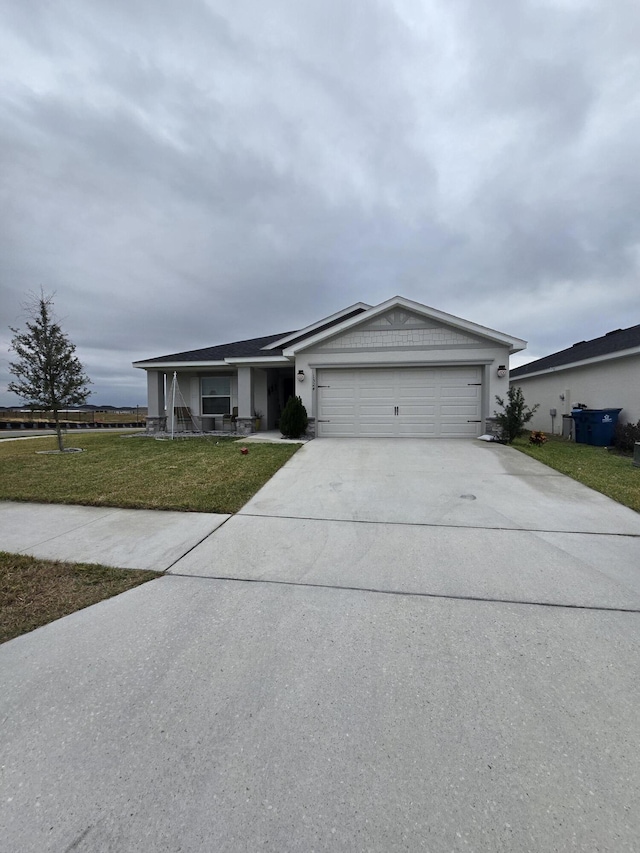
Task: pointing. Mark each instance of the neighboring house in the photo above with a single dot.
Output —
(395, 369)
(603, 373)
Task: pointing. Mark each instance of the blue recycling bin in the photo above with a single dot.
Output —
(595, 426)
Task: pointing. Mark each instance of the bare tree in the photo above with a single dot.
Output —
(48, 373)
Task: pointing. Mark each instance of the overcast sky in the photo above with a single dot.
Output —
(188, 173)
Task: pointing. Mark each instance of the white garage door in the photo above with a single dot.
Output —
(412, 402)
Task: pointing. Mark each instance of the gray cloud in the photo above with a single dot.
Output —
(187, 175)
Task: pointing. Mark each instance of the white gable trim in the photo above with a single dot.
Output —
(334, 318)
(514, 344)
(259, 361)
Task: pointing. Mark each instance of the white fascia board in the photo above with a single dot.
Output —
(259, 361)
(309, 329)
(585, 362)
(174, 365)
(514, 344)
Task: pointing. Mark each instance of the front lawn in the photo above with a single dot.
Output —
(34, 592)
(192, 474)
(600, 469)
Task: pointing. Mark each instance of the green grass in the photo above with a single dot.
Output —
(195, 474)
(600, 469)
(34, 592)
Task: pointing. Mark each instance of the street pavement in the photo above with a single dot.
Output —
(396, 645)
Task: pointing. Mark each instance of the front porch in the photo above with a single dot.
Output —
(242, 400)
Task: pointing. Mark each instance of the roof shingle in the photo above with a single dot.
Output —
(236, 349)
(612, 342)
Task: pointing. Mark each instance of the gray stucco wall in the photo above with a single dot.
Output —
(609, 384)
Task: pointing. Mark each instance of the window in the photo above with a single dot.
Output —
(216, 395)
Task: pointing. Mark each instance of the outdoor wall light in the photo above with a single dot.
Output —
(502, 371)
(301, 376)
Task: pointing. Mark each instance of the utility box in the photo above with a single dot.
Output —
(636, 454)
(567, 427)
(595, 426)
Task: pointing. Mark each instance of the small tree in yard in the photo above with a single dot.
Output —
(516, 414)
(293, 420)
(48, 374)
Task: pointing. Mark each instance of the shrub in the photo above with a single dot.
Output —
(537, 437)
(294, 420)
(516, 414)
(625, 436)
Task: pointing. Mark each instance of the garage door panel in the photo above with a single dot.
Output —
(458, 430)
(421, 410)
(471, 391)
(418, 393)
(469, 411)
(407, 402)
(373, 429)
(377, 413)
(345, 413)
(339, 430)
(377, 402)
(417, 386)
(417, 430)
(340, 399)
(385, 395)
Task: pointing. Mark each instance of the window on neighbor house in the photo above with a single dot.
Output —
(216, 395)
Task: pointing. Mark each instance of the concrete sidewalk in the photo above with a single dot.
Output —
(396, 645)
(124, 538)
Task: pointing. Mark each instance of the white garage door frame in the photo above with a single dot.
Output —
(400, 400)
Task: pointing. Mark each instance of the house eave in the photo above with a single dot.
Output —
(260, 361)
(177, 365)
(585, 362)
(248, 361)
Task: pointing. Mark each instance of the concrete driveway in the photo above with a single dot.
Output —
(453, 518)
(396, 645)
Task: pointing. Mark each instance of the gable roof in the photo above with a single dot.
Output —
(609, 345)
(284, 346)
(514, 344)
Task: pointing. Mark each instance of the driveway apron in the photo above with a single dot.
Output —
(396, 645)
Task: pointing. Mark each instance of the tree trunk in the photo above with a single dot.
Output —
(58, 430)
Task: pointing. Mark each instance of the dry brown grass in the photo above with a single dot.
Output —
(34, 592)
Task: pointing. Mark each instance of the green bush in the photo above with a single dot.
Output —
(625, 436)
(294, 420)
(516, 414)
